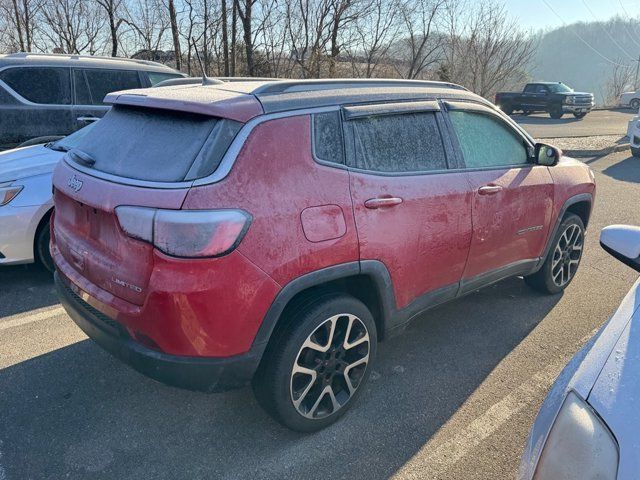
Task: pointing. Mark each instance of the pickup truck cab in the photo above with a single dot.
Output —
(555, 98)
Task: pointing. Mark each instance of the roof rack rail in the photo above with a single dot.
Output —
(289, 86)
(79, 56)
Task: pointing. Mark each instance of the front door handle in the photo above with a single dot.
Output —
(381, 202)
(489, 189)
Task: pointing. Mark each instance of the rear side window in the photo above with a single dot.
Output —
(409, 142)
(44, 85)
(487, 142)
(327, 137)
(157, 145)
(155, 77)
(92, 85)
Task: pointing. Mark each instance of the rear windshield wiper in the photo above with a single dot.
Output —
(81, 157)
(56, 147)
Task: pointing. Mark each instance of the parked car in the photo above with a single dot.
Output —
(44, 97)
(633, 133)
(587, 427)
(629, 100)
(555, 98)
(26, 201)
(275, 231)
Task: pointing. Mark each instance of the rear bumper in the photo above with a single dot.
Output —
(193, 373)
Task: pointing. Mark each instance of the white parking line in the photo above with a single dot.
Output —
(439, 458)
(34, 316)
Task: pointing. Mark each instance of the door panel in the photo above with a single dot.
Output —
(510, 223)
(423, 241)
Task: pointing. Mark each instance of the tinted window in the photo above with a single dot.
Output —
(51, 86)
(157, 145)
(486, 141)
(327, 137)
(398, 143)
(156, 78)
(99, 82)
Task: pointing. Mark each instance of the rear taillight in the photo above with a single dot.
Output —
(185, 233)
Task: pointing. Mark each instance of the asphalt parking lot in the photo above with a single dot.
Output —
(597, 122)
(452, 398)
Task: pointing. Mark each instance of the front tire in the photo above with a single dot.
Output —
(316, 367)
(563, 259)
(580, 115)
(635, 104)
(43, 254)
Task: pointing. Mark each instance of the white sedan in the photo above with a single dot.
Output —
(588, 425)
(26, 201)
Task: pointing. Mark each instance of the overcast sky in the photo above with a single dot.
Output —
(536, 15)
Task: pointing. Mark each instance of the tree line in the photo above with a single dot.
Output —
(474, 43)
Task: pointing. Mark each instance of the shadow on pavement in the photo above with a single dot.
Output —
(627, 170)
(24, 288)
(78, 413)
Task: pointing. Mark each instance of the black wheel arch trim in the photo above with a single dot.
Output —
(581, 197)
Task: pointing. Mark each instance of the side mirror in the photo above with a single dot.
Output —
(622, 242)
(547, 155)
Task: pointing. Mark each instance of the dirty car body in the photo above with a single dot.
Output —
(195, 221)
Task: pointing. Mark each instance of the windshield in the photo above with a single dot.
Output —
(559, 88)
(71, 141)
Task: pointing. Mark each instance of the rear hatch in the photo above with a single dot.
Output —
(134, 156)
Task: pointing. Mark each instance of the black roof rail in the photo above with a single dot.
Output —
(289, 86)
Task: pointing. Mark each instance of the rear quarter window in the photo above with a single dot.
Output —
(158, 145)
(327, 137)
(43, 85)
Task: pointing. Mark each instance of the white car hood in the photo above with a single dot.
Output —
(27, 162)
(616, 394)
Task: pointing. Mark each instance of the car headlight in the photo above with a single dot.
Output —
(570, 100)
(579, 445)
(8, 193)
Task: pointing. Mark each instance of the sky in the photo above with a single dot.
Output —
(534, 14)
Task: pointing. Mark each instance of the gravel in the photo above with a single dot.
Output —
(597, 142)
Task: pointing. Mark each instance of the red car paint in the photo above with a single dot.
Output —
(306, 216)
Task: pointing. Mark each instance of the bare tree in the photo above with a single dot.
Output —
(73, 26)
(373, 33)
(112, 8)
(148, 21)
(175, 33)
(620, 80)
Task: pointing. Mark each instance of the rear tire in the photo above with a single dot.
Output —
(315, 368)
(43, 254)
(635, 104)
(635, 151)
(563, 259)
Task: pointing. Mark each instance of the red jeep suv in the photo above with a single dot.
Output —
(273, 232)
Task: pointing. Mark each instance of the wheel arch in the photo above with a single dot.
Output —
(46, 216)
(580, 205)
(368, 281)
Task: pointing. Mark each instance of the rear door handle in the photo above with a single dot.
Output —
(489, 189)
(381, 202)
(87, 118)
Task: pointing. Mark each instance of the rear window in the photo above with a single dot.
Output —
(157, 145)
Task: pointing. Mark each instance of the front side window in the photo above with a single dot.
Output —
(44, 85)
(408, 142)
(487, 142)
(92, 85)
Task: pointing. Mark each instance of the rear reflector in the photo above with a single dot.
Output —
(186, 233)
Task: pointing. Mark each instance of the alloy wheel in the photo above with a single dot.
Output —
(330, 366)
(566, 255)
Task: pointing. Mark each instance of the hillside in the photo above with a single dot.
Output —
(562, 56)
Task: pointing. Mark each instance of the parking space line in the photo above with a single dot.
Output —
(34, 316)
(445, 455)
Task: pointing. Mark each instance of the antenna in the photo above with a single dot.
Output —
(205, 80)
